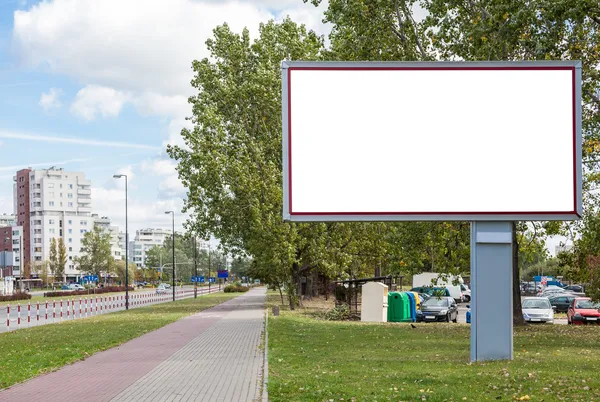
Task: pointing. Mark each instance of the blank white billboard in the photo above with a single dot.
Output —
(468, 141)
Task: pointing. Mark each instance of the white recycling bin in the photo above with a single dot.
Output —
(374, 302)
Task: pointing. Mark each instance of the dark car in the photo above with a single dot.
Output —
(574, 288)
(561, 302)
(438, 309)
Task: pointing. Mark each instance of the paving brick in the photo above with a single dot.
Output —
(214, 355)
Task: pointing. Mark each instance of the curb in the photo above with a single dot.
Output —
(265, 394)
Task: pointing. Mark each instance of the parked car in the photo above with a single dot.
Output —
(161, 289)
(537, 309)
(76, 286)
(430, 291)
(65, 287)
(561, 302)
(466, 292)
(438, 309)
(574, 288)
(583, 311)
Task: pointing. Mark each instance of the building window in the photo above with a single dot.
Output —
(51, 221)
(70, 258)
(37, 240)
(51, 194)
(83, 223)
(70, 240)
(38, 258)
(70, 231)
(37, 249)
(70, 222)
(61, 203)
(70, 248)
(52, 231)
(70, 195)
(16, 241)
(51, 203)
(70, 204)
(61, 187)
(50, 185)
(71, 186)
(15, 232)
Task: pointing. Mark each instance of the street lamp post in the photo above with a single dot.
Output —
(173, 237)
(118, 176)
(195, 270)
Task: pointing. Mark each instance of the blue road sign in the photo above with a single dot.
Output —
(222, 274)
(201, 279)
(212, 279)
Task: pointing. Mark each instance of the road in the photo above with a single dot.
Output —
(96, 305)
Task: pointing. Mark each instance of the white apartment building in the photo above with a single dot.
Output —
(145, 239)
(116, 237)
(60, 206)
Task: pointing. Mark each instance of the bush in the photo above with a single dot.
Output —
(338, 313)
(16, 296)
(235, 288)
(106, 289)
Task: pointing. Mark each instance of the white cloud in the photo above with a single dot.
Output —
(140, 213)
(69, 140)
(93, 100)
(49, 101)
(170, 186)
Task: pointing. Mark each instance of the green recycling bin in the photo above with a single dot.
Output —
(398, 307)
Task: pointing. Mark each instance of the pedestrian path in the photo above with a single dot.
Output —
(214, 355)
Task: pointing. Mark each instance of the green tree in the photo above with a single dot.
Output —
(481, 30)
(96, 257)
(118, 268)
(53, 260)
(61, 259)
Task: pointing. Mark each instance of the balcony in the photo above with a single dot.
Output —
(81, 208)
(84, 191)
(84, 183)
(84, 200)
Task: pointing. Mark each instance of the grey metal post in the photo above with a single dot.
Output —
(118, 176)
(195, 269)
(491, 291)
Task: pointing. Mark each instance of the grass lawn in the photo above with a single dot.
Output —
(317, 360)
(27, 353)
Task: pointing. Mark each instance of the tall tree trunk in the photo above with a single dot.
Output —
(516, 288)
(280, 293)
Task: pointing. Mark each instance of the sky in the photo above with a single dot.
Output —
(101, 87)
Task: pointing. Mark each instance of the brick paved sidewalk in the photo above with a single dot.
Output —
(214, 355)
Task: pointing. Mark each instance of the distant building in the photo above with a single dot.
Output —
(51, 203)
(10, 250)
(144, 240)
(561, 248)
(7, 220)
(103, 223)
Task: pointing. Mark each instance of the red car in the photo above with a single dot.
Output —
(583, 311)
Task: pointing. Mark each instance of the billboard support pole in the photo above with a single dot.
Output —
(491, 288)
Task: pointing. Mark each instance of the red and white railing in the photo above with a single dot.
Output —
(50, 312)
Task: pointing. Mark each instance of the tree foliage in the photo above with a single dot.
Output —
(96, 257)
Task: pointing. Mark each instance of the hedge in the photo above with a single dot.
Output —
(106, 289)
(16, 296)
(235, 288)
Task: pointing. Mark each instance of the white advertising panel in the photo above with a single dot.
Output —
(431, 141)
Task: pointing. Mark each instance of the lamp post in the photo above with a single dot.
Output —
(195, 270)
(173, 237)
(118, 176)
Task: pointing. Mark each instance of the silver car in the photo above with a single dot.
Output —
(537, 309)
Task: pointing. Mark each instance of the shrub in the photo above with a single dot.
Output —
(235, 288)
(16, 296)
(338, 313)
(106, 289)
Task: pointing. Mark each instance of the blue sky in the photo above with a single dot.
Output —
(101, 87)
